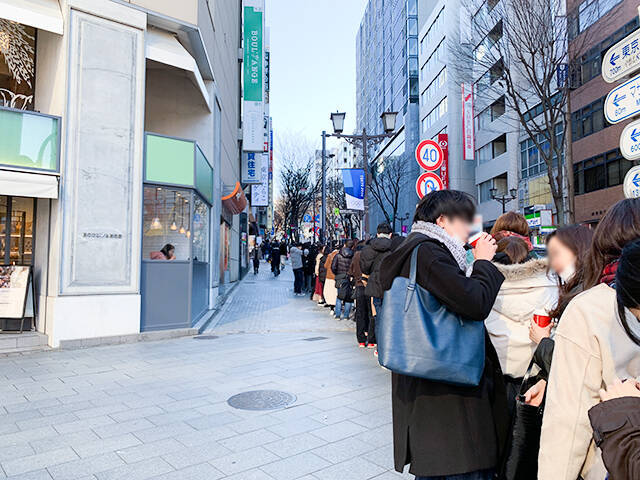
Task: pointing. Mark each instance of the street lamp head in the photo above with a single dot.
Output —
(389, 121)
(494, 192)
(338, 121)
(514, 193)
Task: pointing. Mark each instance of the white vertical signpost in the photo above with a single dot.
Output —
(467, 122)
(623, 102)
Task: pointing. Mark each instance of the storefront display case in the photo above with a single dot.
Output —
(178, 192)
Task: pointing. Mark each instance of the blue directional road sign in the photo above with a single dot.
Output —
(307, 218)
(632, 183)
(622, 59)
(623, 102)
(630, 141)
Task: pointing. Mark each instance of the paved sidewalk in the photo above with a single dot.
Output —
(159, 410)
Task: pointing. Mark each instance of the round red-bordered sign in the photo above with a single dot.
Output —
(429, 155)
(428, 182)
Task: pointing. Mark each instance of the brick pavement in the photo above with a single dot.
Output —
(158, 410)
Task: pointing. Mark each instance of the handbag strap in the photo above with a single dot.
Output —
(411, 288)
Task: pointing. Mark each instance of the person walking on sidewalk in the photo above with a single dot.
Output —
(340, 267)
(370, 260)
(275, 258)
(296, 253)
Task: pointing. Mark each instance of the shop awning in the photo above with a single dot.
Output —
(24, 184)
(42, 14)
(164, 47)
(236, 201)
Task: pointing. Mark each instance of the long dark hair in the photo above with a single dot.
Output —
(576, 238)
(620, 226)
(628, 285)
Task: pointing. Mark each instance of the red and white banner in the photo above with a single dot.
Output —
(467, 122)
(443, 141)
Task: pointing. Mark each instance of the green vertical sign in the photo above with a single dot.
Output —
(253, 61)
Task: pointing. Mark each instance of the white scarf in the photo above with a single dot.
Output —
(455, 246)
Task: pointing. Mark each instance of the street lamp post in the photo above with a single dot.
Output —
(503, 199)
(362, 140)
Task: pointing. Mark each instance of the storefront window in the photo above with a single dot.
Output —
(200, 230)
(17, 60)
(166, 224)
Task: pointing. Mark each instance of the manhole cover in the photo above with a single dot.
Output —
(261, 400)
(205, 337)
(314, 339)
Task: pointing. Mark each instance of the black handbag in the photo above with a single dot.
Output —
(521, 456)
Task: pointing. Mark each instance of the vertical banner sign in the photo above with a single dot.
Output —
(354, 185)
(467, 122)
(251, 166)
(260, 192)
(253, 76)
(443, 141)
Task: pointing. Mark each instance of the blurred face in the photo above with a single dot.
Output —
(561, 258)
(455, 227)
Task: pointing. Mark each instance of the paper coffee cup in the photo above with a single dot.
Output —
(473, 239)
(542, 318)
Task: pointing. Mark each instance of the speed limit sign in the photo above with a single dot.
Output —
(429, 155)
(428, 182)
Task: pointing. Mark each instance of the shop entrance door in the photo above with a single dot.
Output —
(17, 230)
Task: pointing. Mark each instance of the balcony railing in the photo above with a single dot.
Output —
(29, 140)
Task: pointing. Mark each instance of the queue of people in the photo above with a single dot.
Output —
(561, 335)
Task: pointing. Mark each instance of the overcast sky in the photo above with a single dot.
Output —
(313, 65)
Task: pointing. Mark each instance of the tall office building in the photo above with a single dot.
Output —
(387, 80)
(440, 91)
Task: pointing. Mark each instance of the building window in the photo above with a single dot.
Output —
(589, 119)
(436, 57)
(434, 115)
(484, 191)
(531, 162)
(430, 36)
(602, 171)
(167, 220)
(17, 82)
(493, 37)
(489, 77)
(491, 113)
(492, 150)
(587, 13)
(436, 85)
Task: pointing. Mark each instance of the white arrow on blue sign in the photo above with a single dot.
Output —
(630, 141)
(623, 102)
(632, 183)
(622, 59)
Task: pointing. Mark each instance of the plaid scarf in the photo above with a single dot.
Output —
(506, 233)
(609, 273)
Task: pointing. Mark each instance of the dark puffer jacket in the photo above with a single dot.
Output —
(370, 261)
(342, 262)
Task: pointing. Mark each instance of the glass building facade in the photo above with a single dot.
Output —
(387, 79)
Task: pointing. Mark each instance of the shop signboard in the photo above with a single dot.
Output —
(260, 191)
(428, 182)
(632, 183)
(251, 167)
(16, 286)
(541, 218)
(443, 141)
(467, 122)
(622, 59)
(253, 76)
(623, 102)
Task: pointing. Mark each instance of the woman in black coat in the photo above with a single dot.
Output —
(440, 429)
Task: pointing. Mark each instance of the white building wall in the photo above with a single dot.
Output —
(443, 25)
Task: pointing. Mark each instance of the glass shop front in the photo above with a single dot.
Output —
(176, 272)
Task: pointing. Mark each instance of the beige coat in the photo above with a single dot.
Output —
(591, 350)
(527, 287)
